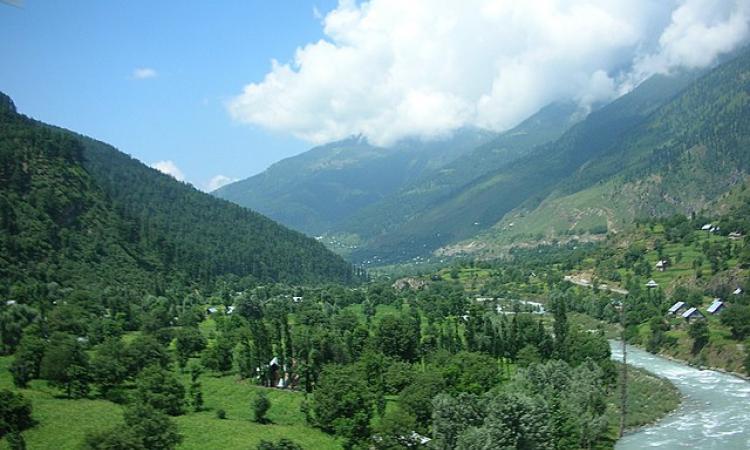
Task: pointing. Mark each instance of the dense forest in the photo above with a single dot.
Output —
(78, 214)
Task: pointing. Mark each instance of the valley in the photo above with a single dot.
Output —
(515, 227)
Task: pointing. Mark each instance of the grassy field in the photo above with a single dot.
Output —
(64, 423)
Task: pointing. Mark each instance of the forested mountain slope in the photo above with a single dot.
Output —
(544, 126)
(80, 213)
(316, 190)
(682, 160)
(527, 180)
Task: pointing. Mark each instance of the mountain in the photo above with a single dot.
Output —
(528, 180)
(400, 207)
(316, 190)
(79, 213)
(684, 159)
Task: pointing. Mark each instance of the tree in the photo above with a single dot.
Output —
(15, 413)
(196, 394)
(698, 332)
(154, 429)
(395, 430)
(452, 416)
(737, 318)
(219, 356)
(66, 365)
(261, 405)
(12, 322)
(16, 441)
(395, 336)
(416, 398)
(145, 351)
(28, 360)
(514, 421)
(188, 342)
(528, 355)
(342, 404)
(560, 327)
(118, 438)
(109, 366)
(144, 429)
(160, 390)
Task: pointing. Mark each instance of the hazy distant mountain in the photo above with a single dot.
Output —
(314, 191)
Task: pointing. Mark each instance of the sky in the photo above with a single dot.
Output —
(211, 94)
(153, 78)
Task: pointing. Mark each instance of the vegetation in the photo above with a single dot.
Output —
(325, 186)
(129, 321)
(79, 215)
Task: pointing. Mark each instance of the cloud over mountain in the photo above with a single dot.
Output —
(170, 168)
(388, 69)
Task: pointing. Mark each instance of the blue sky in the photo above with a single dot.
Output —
(72, 63)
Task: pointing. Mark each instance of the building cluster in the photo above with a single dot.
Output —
(691, 313)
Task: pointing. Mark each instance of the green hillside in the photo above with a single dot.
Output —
(545, 126)
(684, 159)
(528, 180)
(317, 190)
(81, 214)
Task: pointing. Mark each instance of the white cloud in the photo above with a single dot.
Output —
(169, 168)
(219, 181)
(390, 69)
(143, 73)
(699, 32)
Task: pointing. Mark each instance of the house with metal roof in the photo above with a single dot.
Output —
(693, 314)
(651, 284)
(716, 306)
(676, 308)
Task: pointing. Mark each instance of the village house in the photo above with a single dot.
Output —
(676, 308)
(716, 307)
(661, 265)
(692, 314)
(734, 235)
(651, 284)
(737, 291)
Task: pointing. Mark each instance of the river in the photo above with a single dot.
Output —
(714, 414)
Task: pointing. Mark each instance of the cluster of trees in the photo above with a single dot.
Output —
(439, 343)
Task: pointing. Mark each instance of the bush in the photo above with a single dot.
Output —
(15, 413)
(282, 444)
(221, 414)
(261, 405)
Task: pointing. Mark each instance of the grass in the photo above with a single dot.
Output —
(62, 424)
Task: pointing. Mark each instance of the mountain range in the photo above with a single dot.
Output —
(674, 144)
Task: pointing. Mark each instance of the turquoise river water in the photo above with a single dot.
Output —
(714, 414)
